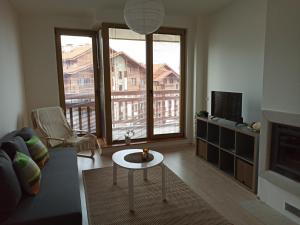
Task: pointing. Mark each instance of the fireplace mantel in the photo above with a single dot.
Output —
(285, 150)
(269, 117)
(292, 119)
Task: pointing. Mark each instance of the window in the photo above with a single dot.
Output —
(168, 57)
(133, 81)
(80, 81)
(83, 81)
(127, 53)
(156, 115)
(76, 54)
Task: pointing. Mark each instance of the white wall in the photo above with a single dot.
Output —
(189, 23)
(281, 83)
(236, 39)
(200, 65)
(12, 104)
(40, 54)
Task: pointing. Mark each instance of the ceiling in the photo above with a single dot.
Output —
(69, 7)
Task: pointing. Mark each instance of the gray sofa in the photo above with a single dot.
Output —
(58, 201)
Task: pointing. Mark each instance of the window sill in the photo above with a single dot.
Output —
(151, 144)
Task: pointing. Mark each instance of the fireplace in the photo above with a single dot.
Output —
(279, 162)
(285, 150)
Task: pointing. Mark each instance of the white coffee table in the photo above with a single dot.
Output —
(118, 160)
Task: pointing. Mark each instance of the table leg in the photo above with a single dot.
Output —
(163, 182)
(114, 173)
(130, 190)
(145, 174)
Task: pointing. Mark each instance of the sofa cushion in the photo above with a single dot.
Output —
(28, 172)
(14, 144)
(8, 136)
(26, 133)
(38, 151)
(10, 190)
(58, 201)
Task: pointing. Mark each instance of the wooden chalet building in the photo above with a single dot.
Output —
(128, 90)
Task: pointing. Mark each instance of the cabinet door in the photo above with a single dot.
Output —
(244, 172)
(202, 149)
(240, 171)
(248, 174)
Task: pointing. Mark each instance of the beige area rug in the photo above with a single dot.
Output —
(108, 204)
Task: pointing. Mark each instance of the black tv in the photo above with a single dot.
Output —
(227, 105)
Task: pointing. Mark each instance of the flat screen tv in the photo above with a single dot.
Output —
(227, 105)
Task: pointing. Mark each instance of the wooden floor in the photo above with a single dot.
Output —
(214, 186)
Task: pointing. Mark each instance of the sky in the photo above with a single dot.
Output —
(75, 40)
(66, 41)
(163, 52)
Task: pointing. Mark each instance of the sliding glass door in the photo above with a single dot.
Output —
(77, 75)
(166, 83)
(127, 59)
(144, 81)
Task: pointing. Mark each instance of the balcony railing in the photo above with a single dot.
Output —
(82, 116)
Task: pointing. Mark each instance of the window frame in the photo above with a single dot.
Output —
(182, 33)
(148, 82)
(96, 67)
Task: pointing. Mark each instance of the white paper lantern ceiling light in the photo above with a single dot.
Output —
(144, 16)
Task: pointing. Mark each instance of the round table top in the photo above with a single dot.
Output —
(119, 156)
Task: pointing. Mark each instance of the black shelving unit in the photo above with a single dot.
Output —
(213, 133)
(245, 146)
(201, 129)
(227, 162)
(233, 149)
(228, 139)
(213, 154)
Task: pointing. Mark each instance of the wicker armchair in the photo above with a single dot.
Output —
(54, 128)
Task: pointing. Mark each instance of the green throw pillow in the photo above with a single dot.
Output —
(38, 151)
(28, 172)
